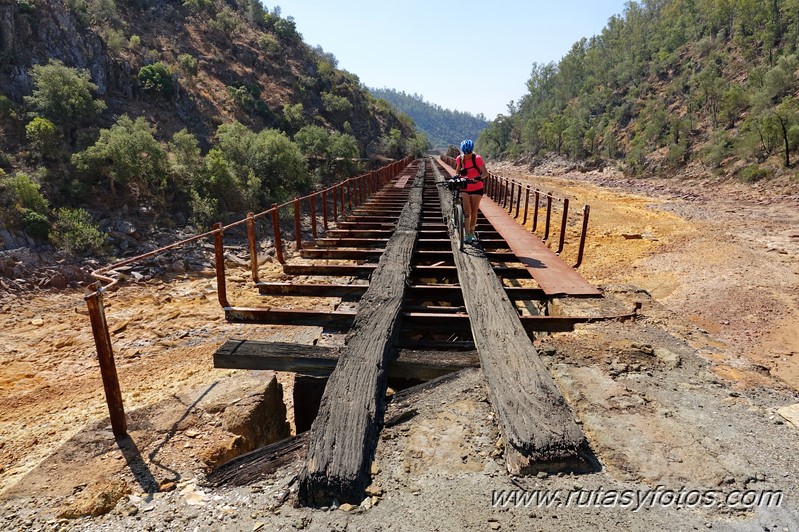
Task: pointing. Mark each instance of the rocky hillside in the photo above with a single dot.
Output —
(210, 50)
(125, 100)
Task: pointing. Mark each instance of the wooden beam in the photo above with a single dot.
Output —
(537, 424)
(344, 435)
(320, 361)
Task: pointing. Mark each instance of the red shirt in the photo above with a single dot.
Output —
(472, 166)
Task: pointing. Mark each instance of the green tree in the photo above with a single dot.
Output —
(189, 65)
(75, 232)
(267, 166)
(787, 116)
(156, 79)
(333, 151)
(334, 103)
(293, 117)
(185, 160)
(126, 153)
(24, 193)
(393, 145)
(62, 94)
(43, 137)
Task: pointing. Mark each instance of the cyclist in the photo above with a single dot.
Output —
(472, 166)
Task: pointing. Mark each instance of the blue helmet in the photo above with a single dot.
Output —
(467, 146)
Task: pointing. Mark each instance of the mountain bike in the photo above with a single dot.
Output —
(457, 221)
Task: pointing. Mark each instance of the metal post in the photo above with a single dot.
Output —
(324, 209)
(549, 214)
(535, 211)
(312, 201)
(335, 202)
(278, 240)
(586, 212)
(105, 355)
(510, 199)
(563, 225)
(349, 194)
(297, 228)
(253, 246)
(526, 203)
(219, 254)
(518, 200)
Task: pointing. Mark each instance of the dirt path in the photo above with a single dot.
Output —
(717, 341)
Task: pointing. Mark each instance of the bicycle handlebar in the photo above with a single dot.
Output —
(457, 183)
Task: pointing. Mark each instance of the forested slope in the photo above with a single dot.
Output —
(442, 127)
(669, 86)
(165, 112)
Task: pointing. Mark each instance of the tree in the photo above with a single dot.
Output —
(335, 150)
(185, 160)
(62, 94)
(126, 153)
(43, 136)
(787, 115)
(267, 166)
(156, 79)
(76, 233)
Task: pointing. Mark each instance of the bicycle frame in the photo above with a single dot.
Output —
(457, 221)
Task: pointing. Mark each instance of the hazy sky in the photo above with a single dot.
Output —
(462, 55)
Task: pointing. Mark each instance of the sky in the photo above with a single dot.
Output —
(468, 56)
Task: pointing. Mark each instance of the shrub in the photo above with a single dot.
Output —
(241, 96)
(184, 158)
(189, 64)
(226, 21)
(198, 6)
(135, 42)
(114, 39)
(204, 211)
(6, 107)
(753, 173)
(35, 224)
(716, 150)
(25, 193)
(156, 78)
(268, 44)
(677, 153)
(335, 104)
(75, 232)
(26, 6)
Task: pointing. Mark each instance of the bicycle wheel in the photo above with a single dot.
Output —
(459, 224)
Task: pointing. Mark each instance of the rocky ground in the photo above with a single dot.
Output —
(695, 395)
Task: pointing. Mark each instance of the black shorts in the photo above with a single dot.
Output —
(475, 192)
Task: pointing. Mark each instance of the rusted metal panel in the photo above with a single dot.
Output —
(554, 276)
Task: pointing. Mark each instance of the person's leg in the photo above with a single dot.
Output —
(474, 201)
(467, 214)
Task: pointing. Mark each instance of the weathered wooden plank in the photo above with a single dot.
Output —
(255, 465)
(537, 424)
(320, 361)
(344, 435)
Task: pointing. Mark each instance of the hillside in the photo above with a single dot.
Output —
(672, 87)
(442, 127)
(195, 110)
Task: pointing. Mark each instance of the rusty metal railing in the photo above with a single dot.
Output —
(508, 193)
(356, 190)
